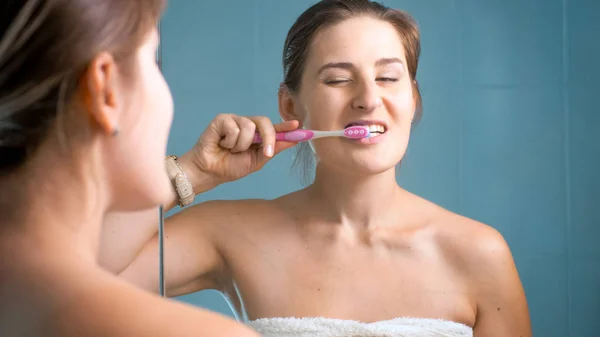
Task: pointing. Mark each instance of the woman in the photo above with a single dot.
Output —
(353, 247)
(84, 118)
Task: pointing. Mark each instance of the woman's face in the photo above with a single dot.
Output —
(356, 73)
(137, 157)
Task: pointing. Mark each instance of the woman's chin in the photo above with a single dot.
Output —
(361, 166)
(141, 195)
(373, 170)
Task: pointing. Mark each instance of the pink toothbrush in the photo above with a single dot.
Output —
(301, 135)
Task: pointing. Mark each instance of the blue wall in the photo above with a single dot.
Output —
(509, 135)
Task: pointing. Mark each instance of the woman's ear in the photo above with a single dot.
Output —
(416, 102)
(101, 93)
(286, 104)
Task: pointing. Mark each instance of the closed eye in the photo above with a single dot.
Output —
(337, 81)
(387, 79)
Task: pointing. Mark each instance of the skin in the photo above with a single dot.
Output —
(354, 236)
(51, 284)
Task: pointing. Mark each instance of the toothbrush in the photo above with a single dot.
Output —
(301, 135)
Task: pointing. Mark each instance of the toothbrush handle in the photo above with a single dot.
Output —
(290, 136)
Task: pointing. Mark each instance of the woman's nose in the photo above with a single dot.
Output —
(367, 98)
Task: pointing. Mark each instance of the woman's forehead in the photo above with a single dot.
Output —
(356, 40)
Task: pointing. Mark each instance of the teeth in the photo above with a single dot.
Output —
(376, 128)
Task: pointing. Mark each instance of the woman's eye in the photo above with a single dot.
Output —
(336, 81)
(387, 79)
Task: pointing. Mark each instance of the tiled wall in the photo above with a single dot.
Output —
(582, 122)
(509, 137)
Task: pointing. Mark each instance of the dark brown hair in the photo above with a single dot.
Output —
(45, 47)
(327, 13)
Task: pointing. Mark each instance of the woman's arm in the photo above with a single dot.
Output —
(224, 152)
(129, 244)
(501, 303)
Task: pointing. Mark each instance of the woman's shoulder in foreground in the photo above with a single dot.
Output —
(119, 309)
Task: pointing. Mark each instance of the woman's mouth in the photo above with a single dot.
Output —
(375, 129)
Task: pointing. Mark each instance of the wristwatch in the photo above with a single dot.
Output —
(180, 181)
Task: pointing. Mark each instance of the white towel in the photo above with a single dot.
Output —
(330, 327)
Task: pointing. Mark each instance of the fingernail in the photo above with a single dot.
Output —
(269, 150)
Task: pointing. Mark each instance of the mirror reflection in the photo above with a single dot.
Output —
(458, 207)
(315, 168)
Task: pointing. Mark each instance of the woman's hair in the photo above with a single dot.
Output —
(327, 13)
(45, 47)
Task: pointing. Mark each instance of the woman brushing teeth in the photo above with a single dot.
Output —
(353, 246)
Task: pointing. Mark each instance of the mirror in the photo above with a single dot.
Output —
(508, 138)
(161, 217)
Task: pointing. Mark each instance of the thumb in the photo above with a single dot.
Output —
(280, 146)
(284, 126)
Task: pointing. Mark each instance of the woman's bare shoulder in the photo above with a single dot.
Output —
(119, 309)
(242, 212)
(472, 246)
(482, 257)
(232, 209)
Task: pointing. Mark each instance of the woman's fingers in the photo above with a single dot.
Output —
(287, 126)
(247, 130)
(236, 133)
(283, 145)
(266, 129)
(228, 130)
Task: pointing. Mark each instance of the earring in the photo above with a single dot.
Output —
(115, 132)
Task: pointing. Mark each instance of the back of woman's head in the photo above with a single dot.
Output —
(45, 47)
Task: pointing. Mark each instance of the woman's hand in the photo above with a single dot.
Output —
(225, 151)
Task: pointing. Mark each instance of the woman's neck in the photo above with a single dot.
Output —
(361, 201)
(59, 212)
